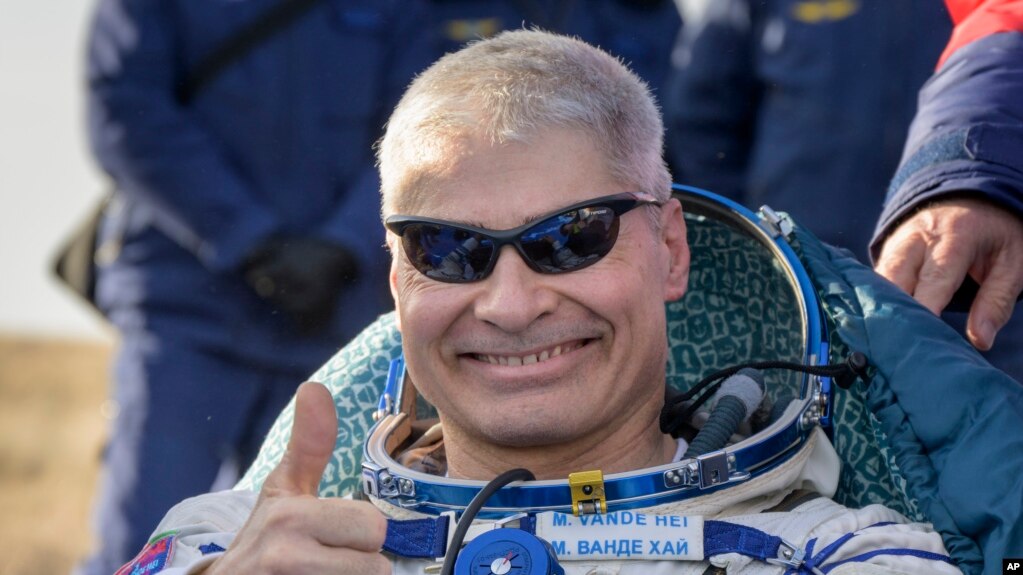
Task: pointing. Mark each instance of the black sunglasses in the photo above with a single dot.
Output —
(563, 241)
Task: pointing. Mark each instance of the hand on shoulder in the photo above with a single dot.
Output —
(930, 252)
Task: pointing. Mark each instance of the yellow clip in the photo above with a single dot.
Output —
(815, 12)
(588, 495)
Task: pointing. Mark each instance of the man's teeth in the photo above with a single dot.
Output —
(519, 360)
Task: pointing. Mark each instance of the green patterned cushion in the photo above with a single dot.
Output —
(739, 307)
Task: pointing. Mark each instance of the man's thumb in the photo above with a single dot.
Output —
(312, 442)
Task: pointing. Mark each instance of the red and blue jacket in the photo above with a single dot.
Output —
(967, 137)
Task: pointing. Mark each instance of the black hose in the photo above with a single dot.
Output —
(473, 509)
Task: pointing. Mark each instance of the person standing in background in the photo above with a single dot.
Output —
(806, 104)
(800, 103)
(246, 218)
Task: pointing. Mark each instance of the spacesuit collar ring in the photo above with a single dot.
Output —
(384, 478)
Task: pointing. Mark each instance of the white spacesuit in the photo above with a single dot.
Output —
(776, 521)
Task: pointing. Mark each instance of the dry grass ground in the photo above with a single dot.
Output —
(52, 427)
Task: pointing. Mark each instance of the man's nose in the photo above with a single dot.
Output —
(514, 295)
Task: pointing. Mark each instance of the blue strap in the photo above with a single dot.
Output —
(897, 551)
(810, 561)
(427, 539)
(417, 538)
(720, 537)
(815, 563)
(945, 148)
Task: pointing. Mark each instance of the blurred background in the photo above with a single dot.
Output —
(743, 115)
(53, 349)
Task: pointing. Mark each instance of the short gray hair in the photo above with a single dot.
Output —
(513, 86)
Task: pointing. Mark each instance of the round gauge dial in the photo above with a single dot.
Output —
(507, 552)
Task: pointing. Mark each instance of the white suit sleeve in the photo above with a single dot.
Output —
(193, 534)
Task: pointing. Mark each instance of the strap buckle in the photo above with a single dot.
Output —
(793, 557)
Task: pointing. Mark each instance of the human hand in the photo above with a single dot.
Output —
(931, 252)
(290, 529)
(303, 277)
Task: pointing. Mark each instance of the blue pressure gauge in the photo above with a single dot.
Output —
(507, 552)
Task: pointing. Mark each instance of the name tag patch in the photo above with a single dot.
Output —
(622, 535)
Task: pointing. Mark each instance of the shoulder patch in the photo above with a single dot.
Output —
(153, 558)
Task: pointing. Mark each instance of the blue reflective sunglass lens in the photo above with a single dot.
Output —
(447, 253)
(571, 240)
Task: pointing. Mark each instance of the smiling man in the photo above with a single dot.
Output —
(469, 146)
(516, 345)
(534, 244)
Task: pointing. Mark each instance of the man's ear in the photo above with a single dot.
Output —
(673, 234)
(393, 245)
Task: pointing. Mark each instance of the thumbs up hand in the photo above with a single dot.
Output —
(291, 530)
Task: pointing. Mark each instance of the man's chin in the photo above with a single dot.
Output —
(535, 430)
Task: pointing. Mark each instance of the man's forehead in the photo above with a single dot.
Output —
(508, 184)
(433, 204)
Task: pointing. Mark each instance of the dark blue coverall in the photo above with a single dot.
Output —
(278, 144)
(801, 104)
